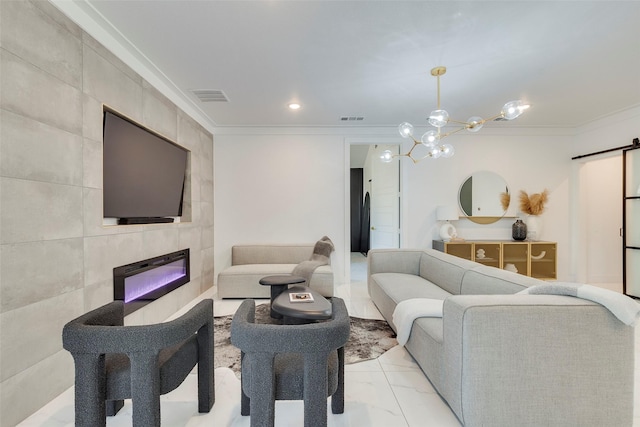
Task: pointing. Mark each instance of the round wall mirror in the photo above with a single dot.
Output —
(484, 197)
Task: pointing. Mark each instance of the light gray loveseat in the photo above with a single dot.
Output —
(250, 263)
(508, 360)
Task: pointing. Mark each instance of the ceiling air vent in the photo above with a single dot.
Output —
(207, 95)
(351, 118)
(500, 119)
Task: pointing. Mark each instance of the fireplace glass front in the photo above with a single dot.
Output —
(139, 283)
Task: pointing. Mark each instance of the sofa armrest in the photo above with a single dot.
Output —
(536, 360)
(394, 261)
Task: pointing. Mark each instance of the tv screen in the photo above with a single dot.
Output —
(143, 173)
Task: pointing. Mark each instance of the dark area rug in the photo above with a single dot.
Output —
(368, 339)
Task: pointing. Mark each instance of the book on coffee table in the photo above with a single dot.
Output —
(300, 297)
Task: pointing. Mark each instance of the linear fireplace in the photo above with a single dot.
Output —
(141, 282)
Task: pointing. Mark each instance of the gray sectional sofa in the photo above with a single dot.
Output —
(250, 263)
(500, 359)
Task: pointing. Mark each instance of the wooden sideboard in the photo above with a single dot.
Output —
(535, 259)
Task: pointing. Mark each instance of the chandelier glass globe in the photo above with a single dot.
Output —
(405, 129)
(513, 109)
(386, 156)
(435, 152)
(474, 124)
(447, 151)
(438, 118)
(430, 138)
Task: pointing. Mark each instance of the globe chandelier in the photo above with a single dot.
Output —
(439, 118)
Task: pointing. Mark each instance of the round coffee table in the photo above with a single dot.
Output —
(279, 283)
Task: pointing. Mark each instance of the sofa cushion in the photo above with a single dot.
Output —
(400, 286)
(271, 254)
(243, 281)
(388, 289)
(483, 280)
(445, 270)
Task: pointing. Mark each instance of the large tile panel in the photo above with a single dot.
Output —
(93, 112)
(32, 333)
(158, 113)
(42, 41)
(103, 253)
(207, 268)
(105, 53)
(32, 211)
(31, 92)
(107, 83)
(207, 237)
(35, 271)
(188, 133)
(191, 238)
(98, 294)
(36, 151)
(24, 393)
(54, 13)
(92, 164)
(206, 210)
(160, 240)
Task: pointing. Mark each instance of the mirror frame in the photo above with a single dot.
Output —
(483, 219)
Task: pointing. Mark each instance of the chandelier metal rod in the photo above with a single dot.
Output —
(438, 103)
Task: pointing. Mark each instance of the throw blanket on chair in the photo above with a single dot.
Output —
(621, 306)
(320, 256)
(408, 310)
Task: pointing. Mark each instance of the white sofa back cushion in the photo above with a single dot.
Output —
(484, 280)
(271, 254)
(444, 270)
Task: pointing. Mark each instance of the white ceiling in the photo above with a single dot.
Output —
(573, 61)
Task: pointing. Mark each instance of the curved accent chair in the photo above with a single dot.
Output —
(291, 362)
(115, 362)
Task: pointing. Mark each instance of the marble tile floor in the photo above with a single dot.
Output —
(388, 391)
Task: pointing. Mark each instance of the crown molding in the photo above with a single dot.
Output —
(97, 26)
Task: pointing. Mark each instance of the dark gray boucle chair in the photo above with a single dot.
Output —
(115, 362)
(291, 362)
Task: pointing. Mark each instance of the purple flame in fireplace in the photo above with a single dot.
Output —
(144, 281)
(148, 281)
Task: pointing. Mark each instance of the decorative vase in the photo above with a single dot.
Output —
(534, 227)
(519, 230)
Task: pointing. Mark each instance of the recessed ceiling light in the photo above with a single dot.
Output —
(294, 106)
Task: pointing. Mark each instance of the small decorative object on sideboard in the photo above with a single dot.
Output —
(539, 256)
(480, 254)
(511, 267)
(519, 230)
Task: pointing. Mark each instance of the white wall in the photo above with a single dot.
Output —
(278, 188)
(284, 185)
(610, 132)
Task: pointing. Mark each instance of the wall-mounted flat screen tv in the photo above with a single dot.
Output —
(143, 173)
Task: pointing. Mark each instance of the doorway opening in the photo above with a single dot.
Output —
(374, 208)
(601, 215)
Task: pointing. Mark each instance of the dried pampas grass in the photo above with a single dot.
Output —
(505, 199)
(533, 204)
